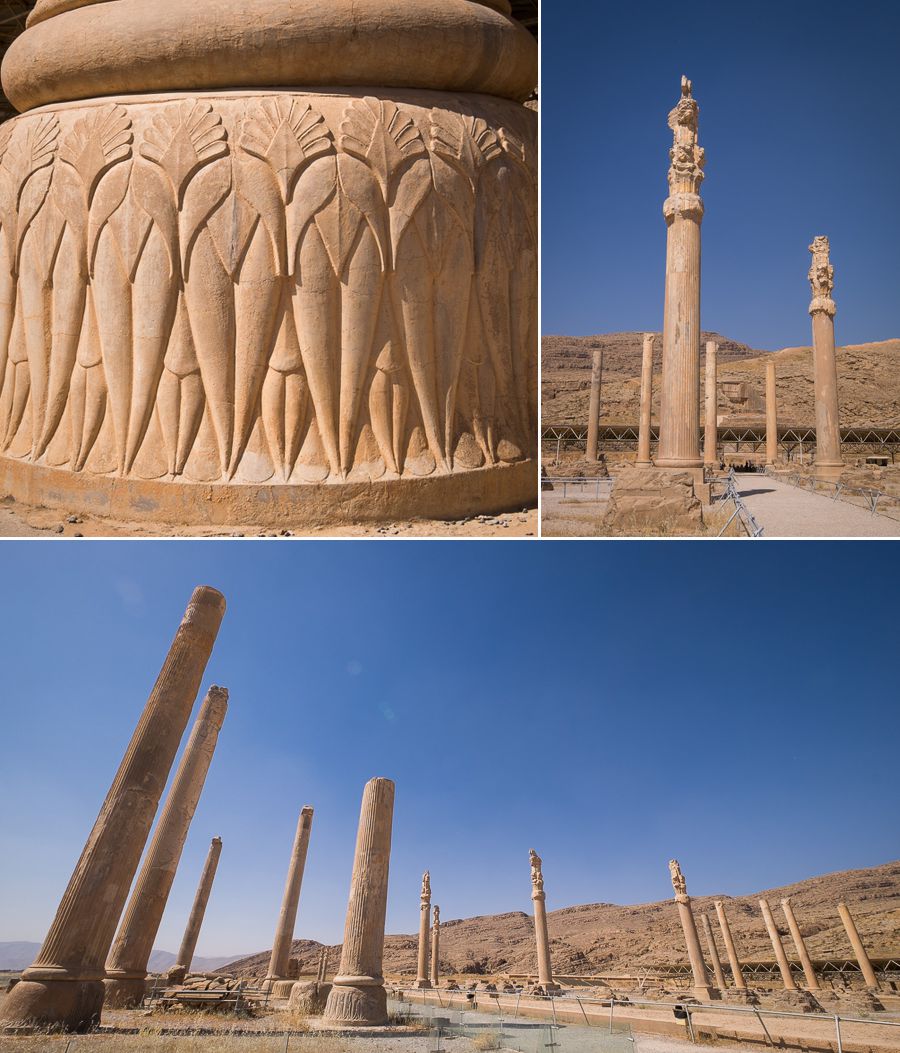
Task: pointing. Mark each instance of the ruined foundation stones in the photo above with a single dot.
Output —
(357, 996)
(64, 987)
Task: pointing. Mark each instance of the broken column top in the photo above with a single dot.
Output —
(678, 882)
(687, 157)
(821, 276)
(76, 49)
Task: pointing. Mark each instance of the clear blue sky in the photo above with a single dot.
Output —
(799, 105)
(611, 705)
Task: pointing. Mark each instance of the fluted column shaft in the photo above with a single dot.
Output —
(856, 943)
(436, 948)
(198, 910)
(730, 949)
(777, 946)
(771, 414)
(695, 954)
(126, 965)
(679, 420)
(828, 432)
(287, 918)
(64, 985)
(594, 408)
(711, 424)
(713, 952)
(357, 995)
(643, 455)
(542, 939)
(812, 981)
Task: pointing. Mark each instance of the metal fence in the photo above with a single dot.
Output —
(836, 489)
(741, 513)
(583, 487)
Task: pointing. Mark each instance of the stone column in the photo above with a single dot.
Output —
(771, 414)
(812, 981)
(357, 996)
(126, 966)
(422, 980)
(545, 968)
(702, 987)
(436, 947)
(711, 425)
(284, 933)
(713, 952)
(198, 910)
(856, 943)
(828, 433)
(777, 947)
(733, 960)
(64, 987)
(594, 408)
(679, 423)
(643, 455)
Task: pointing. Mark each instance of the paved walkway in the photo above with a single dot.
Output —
(783, 510)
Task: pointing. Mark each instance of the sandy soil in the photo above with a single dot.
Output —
(17, 521)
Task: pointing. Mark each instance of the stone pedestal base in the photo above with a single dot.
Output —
(828, 472)
(176, 975)
(423, 985)
(356, 1006)
(309, 997)
(707, 994)
(740, 996)
(282, 988)
(654, 499)
(69, 1005)
(124, 992)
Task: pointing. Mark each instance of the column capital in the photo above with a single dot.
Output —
(824, 304)
(683, 206)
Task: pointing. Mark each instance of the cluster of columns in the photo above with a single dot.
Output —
(64, 986)
(702, 986)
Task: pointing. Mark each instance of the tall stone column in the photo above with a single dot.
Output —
(436, 947)
(777, 946)
(679, 424)
(828, 432)
(357, 996)
(643, 455)
(856, 943)
(126, 966)
(736, 972)
(64, 987)
(713, 952)
(198, 910)
(422, 980)
(702, 987)
(545, 968)
(771, 414)
(711, 424)
(812, 981)
(284, 933)
(594, 408)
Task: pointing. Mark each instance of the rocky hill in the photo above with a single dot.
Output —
(605, 937)
(868, 380)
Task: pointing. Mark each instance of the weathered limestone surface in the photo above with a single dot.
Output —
(594, 407)
(64, 987)
(822, 308)
(679, 424)
(650, 498)
(287, 918)
(713, 952)
(422, 980)
(198, 910)
(702, 987)
(859, 950)
(730, 949)
(777, 946)
(542, 939)
(643, 454)
(771, 414)
(812, 981)
(126, 966)
(303, 303)
(711, 422)
(357, 996)
(436, 947)
(309, 996)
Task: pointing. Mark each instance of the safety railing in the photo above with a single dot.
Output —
(836, 489)
(588, 487)
(741, 512)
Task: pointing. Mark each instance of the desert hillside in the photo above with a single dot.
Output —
(606, 937)
(868, 380)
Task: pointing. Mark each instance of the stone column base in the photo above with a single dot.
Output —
(423, 985)
(679, 462)
(830, 471)
(356, 1006)
(124, 992)
(707, 994)
(309, 997)
(70, 1005)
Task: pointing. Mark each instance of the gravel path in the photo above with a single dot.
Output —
(783, 510)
